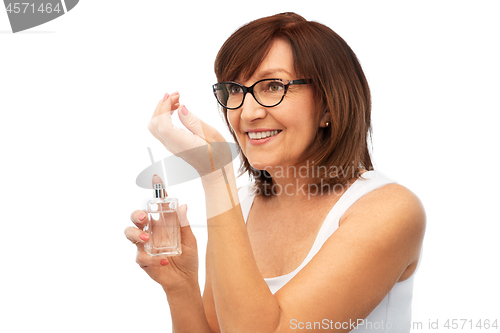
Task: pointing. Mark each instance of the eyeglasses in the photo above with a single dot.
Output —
(267, 92)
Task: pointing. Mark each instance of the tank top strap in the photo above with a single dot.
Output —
(369, 181)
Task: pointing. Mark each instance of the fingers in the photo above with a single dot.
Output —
(182, 213)
(143, 259)
(175, 139)
(191, 121)
(216, 156)
(139, 218)
(157, 180)
(187, 236)
(136, 236)
(168, 104)
(197, 126)
(161, 121)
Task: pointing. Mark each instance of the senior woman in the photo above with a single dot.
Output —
(319, 241)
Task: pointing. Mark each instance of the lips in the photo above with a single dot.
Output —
(259, 135)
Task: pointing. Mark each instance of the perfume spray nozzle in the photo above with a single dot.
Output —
(159, 190)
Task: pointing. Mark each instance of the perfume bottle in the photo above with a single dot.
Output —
(163, 225)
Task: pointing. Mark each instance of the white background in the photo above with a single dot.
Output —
(76, 95)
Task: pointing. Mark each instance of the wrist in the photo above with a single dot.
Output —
(222, 175)
(186, 308)
(180, 290)
(220, 189)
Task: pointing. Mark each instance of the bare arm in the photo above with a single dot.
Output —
(186, 309)
(360, 263)
(208, 300)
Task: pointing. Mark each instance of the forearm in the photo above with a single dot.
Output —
(242, 298)
(186, 309)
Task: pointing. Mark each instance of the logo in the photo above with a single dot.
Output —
(28, 14)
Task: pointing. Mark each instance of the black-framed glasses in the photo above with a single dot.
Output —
(267, 92)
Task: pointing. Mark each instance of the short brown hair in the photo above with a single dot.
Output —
(339, 82)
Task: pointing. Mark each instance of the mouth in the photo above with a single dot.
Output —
(262, 134)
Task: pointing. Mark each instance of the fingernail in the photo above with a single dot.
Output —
(165, 97)
(175, 93)
(144, 237)
(157, 180)
(164, 262)
(184, 110)
(142, 216)
(183, 222)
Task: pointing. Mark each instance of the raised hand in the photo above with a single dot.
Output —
(201, 145)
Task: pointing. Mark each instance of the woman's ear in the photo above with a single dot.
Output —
(325, 120)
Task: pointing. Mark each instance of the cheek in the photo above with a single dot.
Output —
(234, 123)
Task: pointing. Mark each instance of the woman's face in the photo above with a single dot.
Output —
(294, 117)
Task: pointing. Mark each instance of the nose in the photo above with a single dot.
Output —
(251, 110)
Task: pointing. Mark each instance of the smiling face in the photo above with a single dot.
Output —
(278, 136)
(338, 95)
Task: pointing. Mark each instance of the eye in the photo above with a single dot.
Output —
(274, 86)
(235, 89)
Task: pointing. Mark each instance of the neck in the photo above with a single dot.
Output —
(292, 185)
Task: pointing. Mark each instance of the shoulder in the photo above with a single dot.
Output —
(390, 212)
(391, 199)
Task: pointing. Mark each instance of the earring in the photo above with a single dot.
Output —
(327, 124)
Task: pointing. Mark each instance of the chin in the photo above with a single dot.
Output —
(264, 164)
(260, 164)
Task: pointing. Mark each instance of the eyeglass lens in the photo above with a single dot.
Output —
(268, 93)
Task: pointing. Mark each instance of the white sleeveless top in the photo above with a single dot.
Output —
(393, 314)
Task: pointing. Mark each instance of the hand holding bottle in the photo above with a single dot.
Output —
(172, 273)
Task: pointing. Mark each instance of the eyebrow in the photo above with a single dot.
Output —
(270, 71)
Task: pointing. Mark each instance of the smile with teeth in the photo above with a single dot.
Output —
(262, 135)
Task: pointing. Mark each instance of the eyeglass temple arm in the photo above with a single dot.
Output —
(302, 81)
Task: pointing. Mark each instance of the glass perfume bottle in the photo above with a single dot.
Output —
(163, 225)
